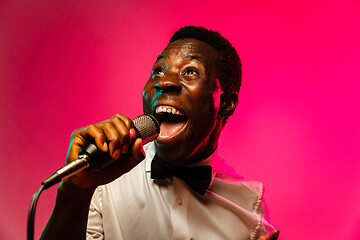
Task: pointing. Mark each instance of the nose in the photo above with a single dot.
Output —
(168, 86)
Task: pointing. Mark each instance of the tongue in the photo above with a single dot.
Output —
(168, 129)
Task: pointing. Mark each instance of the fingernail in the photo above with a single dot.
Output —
(142, 149)
(116, 154)
(132, 133)
(276, 234)
(105, 146)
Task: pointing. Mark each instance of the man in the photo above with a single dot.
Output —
(192, 90)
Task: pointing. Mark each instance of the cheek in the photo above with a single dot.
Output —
(146, 97)
(147, 91)
(205, 100)
(207, 109)
(149, 98)
(216, 99)
(210, 107)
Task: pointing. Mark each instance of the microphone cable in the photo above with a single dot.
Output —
(31, 214)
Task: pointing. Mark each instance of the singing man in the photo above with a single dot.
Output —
(176, 187)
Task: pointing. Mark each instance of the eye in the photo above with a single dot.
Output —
(191, 71)
(159, 71)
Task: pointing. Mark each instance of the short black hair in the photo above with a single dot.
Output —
(228, 62)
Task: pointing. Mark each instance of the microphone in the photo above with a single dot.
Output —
(147, 128)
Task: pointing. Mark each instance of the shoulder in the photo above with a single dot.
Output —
(229, 184)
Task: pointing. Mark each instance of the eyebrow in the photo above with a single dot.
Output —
(196, 57)
(159, 58)
(190, 56)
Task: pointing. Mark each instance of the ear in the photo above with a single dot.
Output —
(228, 103)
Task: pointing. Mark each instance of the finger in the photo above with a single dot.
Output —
(113, 138)
(128, 162)
(98, 135)
(128, 122)
(263, 238)
(274, 235)
(124, 133)
(132, 134)
(130, 125)
(76, 143)
(137, 151)
(123, 124)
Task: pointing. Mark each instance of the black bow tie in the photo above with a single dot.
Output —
(197, 178)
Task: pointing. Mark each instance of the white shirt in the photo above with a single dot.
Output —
(135, 206)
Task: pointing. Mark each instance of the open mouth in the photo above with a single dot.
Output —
(172, 121)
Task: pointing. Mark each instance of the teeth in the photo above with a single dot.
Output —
(168, 109)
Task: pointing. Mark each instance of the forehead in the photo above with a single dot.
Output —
(190, 48)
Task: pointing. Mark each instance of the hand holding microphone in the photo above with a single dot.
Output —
(97, 146)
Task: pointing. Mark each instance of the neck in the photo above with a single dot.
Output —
(209, 145)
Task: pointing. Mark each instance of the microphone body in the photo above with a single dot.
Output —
(147, 128)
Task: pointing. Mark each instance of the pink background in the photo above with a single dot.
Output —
(66, 64)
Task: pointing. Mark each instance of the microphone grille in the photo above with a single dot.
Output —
(147, 127)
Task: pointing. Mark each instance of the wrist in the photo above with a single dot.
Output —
(72, 196)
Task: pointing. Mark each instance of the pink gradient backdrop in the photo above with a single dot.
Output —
(66, 64)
